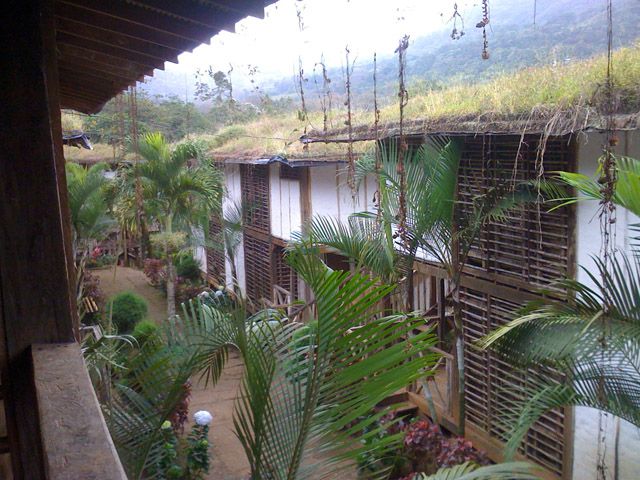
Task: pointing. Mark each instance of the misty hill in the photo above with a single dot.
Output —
(564, 30)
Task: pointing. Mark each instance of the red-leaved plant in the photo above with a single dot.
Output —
(457, 450)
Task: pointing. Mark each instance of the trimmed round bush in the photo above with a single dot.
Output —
(145, 331)
(127, 309)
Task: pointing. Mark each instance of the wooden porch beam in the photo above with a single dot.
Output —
(148, 61)
(79, 54)
(93, 68)
(117, 40)
(200, 14)
(139, 16)
(122, 27)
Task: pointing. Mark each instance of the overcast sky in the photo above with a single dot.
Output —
(274, 43)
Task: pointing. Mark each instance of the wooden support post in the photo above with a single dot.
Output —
(305, 217)
(36, 301)
(442, 312)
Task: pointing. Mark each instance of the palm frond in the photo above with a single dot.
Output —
(596, 347)
(471, 471)
(626, 190)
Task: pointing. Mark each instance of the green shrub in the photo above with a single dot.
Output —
(188, 267)
(127, 309)
(145, 331)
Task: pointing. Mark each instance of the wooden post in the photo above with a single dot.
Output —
(36, 300)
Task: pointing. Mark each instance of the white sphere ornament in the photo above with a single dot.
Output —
(202, 418)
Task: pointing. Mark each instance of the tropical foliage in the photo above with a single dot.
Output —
(386, 244)
(90, 218)
(297, 397)
(89, 211)
(180, 189)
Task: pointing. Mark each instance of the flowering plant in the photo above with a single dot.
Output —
(186, 459)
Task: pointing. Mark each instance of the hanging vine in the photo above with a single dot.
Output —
(303, 115)
(349, 122)
(118, 141)
(141, 224)
(403, 98)
(376, 125)
(607, 215)
(456, 18)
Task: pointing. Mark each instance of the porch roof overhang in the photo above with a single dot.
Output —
(103, 47)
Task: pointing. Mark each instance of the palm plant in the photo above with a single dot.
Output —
(150, 384)
(471, 471)
(296, 397)
(317, 394)
(594, 339)
(90, 219)
(88, 210)
(177, 195)
(435, 224)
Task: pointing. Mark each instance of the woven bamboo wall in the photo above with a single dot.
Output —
(289, 173)
(215, 255)
(528, 251)
(284, 275)
(531, 248)
(254, 183)
(257, 263)
(493, 385)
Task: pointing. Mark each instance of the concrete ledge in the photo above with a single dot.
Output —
(75, 438)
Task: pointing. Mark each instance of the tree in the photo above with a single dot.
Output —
(180, 189)
(593, 339)
(89, 212)
(90, 218)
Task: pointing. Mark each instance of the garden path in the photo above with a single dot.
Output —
(120, 279)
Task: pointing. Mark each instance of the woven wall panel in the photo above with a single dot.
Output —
(493, 385)
(257, 263)
(532, 246)
(215, 255)
(285, 276)
(254, 184)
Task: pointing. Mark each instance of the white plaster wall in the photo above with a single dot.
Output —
(331, 196)
(200, 254)
(285, 204)
(233, 196)
(587, 420)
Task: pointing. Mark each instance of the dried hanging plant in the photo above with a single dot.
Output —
(376, 124)
(483, 25)
(457, 19)
(349, 122)
(607, 180)
(303, 115)
(403, 98)
(324, 93)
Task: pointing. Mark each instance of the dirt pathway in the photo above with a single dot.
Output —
(129, 279)
(228, 461)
